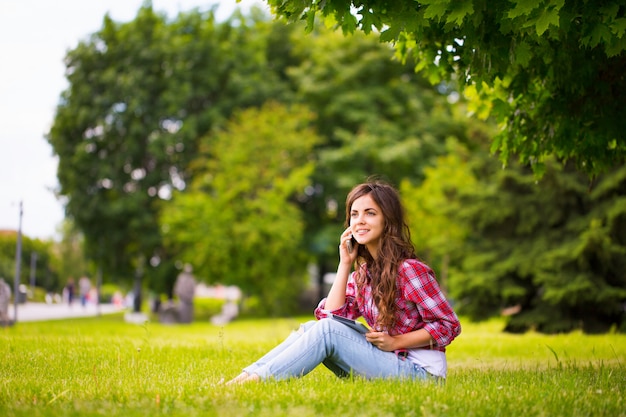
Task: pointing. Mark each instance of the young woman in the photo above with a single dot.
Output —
(397, 295)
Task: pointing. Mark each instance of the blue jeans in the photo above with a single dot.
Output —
(341, 349)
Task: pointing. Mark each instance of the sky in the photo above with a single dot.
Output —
(34, 38)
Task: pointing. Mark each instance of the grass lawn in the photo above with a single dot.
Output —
(106, 367)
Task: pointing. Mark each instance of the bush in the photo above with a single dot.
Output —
(37, 294)
(107, 291)
(205, 308)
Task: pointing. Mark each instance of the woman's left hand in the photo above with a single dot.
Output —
(381, 340)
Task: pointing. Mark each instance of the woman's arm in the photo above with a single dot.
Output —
(414, 339)
(421, 288)
(337, 295)
(439, 324)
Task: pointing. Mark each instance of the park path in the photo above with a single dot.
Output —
(30, 311)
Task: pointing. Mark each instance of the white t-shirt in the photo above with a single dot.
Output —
(434, 361)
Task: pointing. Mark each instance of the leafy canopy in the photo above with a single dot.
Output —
(551, 72)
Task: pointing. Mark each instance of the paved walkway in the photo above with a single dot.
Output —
(30, 311)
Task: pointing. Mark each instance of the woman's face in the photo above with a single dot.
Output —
(367, 223)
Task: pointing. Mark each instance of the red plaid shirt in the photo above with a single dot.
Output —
(420, 305)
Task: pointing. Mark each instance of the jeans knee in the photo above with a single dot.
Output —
(325, 327)
(328, 326)
(306, 326)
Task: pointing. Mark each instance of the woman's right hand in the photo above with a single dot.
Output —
(344, 254)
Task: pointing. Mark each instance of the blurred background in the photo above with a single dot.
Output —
(218, 136)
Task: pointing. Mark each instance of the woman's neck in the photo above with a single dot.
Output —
(373, 251)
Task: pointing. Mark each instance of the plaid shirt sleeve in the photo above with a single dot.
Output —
(423, 304)
(349, 310)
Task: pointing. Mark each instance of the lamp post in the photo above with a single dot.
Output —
(18, 261)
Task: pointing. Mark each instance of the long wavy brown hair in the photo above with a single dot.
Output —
(395, 246)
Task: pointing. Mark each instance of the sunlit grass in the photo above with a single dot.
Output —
(104, 366)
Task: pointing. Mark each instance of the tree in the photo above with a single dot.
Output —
(115, 136)
(555, 251)
(550, 72)
(141, 96)
(240, 224)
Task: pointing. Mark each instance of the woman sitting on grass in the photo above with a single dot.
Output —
(396, 294)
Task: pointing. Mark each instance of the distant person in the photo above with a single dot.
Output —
(84, 287)
(5, 300)
(184, 289)
(230, 310)
(69, 291)
(117, 299)
(410, 319)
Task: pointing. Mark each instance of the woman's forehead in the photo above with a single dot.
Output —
(364, 202)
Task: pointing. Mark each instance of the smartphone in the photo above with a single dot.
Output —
(351, 244)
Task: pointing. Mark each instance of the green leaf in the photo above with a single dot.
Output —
(616, 48)
(619, 27)
(599, 34)
(522, 8)
(523, 54)
(547, 18)
(369, 20)
(349, 24)
(436, 9)
(459, 11)
(391, 34)
(310, 20)
(609, 12)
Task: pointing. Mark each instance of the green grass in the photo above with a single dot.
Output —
(106, 367)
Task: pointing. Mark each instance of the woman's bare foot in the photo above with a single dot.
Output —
(244, 377)
(252, 378)
(239, 378)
